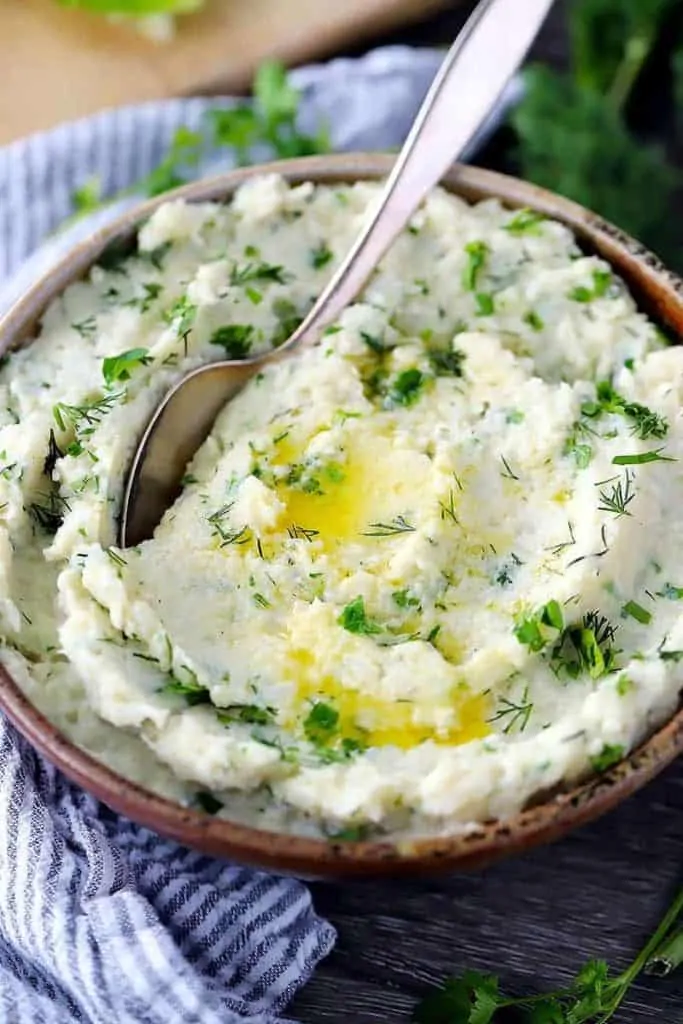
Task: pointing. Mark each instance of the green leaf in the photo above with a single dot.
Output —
(459, 1000)
(118, 368)
(573, 140)
(477, 255)
(406, 387)
(601, 282)
(190, 689)
(236, 339)
(525, 222)
(321, 723)
(485, 304)
(610, 755)
(354, 619)
(88, 196)
(637, 612)
(446, 362)
(641, 458)
(250, 714)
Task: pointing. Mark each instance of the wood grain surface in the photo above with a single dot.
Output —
(533, 920)
(60, 64)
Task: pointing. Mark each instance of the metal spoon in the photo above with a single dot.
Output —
(475, 71)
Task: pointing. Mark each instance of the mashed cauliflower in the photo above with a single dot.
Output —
(415, 575)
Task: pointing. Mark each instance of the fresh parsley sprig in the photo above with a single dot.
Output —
(593, 997)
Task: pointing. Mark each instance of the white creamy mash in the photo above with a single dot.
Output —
(415, 575)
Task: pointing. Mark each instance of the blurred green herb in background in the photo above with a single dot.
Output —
(135, 8)
(574, 128)
(268, 121)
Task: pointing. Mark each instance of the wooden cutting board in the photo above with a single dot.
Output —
(60, 63)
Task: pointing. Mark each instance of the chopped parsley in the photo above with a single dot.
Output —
(610, 755)
(236, 339)
(602, 279)
(485, 304)
(404, 599)
(320, 256)
(406, 387)
(190, 689)
(477, 254)
(585, 647)
(533, 320)
(257, 272)
(182, 315)
(535, 631)
(525, 222)
(321, 723)
(354, 619)
(249, 714)
(446, 362)
(644, 422)
(118, 368)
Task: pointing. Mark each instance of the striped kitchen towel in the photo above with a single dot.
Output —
(101, 921)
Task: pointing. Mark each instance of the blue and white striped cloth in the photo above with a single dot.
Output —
(101, 921)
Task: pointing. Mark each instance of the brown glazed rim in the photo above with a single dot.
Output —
(659, 293)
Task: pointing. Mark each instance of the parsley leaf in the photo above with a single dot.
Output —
(321, 723)
(354, 619)
(118, 368)
(406, 386)
(477, 254)
(236, 339)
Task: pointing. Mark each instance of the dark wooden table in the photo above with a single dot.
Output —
(532, 920)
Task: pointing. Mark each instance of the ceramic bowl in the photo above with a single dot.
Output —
(658, 292)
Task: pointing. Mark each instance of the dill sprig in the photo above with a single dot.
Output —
(517, 713)
(399, 524)
(47, 510)
(619, 498)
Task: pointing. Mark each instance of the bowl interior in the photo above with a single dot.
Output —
(658, 292)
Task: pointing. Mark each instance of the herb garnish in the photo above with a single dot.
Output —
(533, 320)
(593, 997)
(321, 723)
(249, 714)
(355, 620)
(485, 304)
(516, 713)
(645, 422)
(637, 612)
(508, 474)
(182, 316)
(152, 291)
(446, 362)
(236, 339)
(641, 458)
(525, 222)
(405, 388)
(118, 368)
(585, 647)
(671, 593)
(54, 453)
(620, 497)
(601, 282)
(190, 689)
(86, 328)
(610, 755)
(320, 256)
(536, 630)
(398, 524)
(477, 254)
(48, 510)
(257, 272)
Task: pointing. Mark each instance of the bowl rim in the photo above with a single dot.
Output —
(660, 293)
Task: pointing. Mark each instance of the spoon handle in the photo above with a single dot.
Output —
(473, 75)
